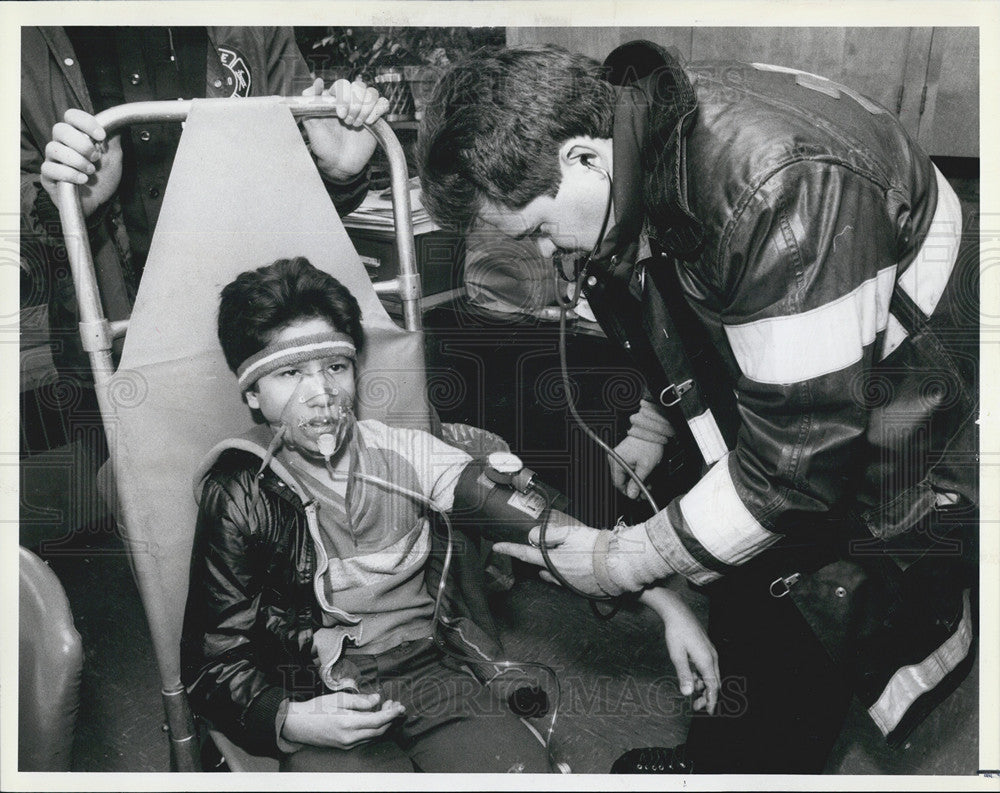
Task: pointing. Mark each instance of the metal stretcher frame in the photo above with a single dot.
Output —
(98, 334)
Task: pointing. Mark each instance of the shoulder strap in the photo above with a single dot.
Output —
(647, 329)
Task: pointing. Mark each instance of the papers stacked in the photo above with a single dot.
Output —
(375, 212)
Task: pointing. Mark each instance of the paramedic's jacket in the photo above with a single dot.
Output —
(810, 239)
(252, 610)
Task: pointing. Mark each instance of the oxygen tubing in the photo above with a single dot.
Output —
(437, 617)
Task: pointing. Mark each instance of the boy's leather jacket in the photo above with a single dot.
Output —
(252, 610)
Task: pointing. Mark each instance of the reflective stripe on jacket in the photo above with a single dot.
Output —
(817, 250)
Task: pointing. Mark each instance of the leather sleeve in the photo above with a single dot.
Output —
(287, 71)
(805, 277)
(347, 196)
(218, 653)
(40, 224)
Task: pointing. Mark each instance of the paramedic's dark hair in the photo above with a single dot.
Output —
(260, 302)
(493, 127)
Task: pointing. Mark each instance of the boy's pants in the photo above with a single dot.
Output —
(452, 723)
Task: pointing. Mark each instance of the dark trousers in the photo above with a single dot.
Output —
(452, 723)
(783, 701)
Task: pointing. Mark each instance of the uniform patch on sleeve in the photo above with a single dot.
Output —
(238, 77)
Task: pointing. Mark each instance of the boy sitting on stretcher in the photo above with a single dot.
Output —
(310, 627)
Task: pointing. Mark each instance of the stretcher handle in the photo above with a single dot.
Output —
(98, 333)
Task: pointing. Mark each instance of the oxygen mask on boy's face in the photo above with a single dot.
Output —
(318, 418)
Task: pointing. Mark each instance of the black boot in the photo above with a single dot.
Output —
(653, 760)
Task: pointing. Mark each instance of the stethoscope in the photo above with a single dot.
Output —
(564, 307)
(581, 276)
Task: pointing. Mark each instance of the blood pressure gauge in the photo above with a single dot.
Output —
(505, 468)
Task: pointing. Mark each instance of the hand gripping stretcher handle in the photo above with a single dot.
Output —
(97, 335)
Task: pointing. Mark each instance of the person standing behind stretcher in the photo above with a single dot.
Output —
(70, 74)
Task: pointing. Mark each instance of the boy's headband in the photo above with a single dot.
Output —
(292, 351)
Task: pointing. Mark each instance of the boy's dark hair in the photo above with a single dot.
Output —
(262, 301)
(494, 124)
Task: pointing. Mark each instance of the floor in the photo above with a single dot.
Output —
(602, 711)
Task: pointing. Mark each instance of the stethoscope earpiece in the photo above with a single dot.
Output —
(588, 163)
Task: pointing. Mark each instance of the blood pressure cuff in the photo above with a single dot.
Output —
(497, 511)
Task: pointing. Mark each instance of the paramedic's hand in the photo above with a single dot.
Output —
(341, 145)
(341, 720)
(80, 152)
(571, 549)
(693, 655)
(641, 456)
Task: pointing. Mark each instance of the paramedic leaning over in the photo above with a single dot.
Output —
(69, 74)
(782, 263)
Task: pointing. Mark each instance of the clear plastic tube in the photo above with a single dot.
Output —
(436, 618)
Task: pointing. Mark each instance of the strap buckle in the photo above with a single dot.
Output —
(782, 586)
(676, 392)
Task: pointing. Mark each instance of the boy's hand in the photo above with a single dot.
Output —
(342, 146)
(80, 152)
(341, 720)
(688, 645)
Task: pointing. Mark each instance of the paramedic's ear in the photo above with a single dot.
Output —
(592, 153)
